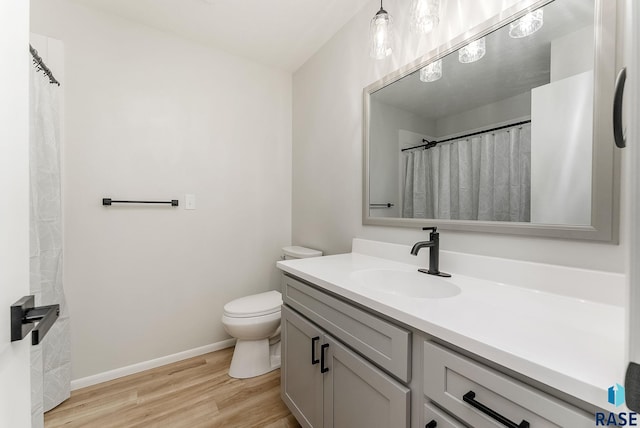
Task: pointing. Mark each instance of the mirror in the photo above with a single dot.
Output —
(502, 131)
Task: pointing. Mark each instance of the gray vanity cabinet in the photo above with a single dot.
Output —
(351, 392)
(357, 394)
(346, 367)
(484, 398)
(301, 380)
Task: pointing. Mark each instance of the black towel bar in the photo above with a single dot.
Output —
(109, 201)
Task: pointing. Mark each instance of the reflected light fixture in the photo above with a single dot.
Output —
(472, 52)
(527, 25)
(424, 15)
(431, 72)
(381, 34)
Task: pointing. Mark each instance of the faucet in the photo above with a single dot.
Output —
(434, 249)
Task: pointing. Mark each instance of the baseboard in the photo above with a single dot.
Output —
(151, 364)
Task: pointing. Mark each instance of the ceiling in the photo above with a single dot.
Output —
(510, 67)
(281, 33)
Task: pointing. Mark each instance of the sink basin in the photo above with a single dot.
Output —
(406, 283)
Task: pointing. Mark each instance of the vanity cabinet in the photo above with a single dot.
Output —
(435, 417)
(381, 342)
(482, 397)
(325, 384)
(346, 366)
(301, 378)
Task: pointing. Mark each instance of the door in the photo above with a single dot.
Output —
(301, 380)
(357, 394)
(15, 399)
(632, 152)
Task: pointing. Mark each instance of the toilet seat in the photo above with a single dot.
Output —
(256, 305)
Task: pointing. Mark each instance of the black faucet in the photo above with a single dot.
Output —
(434, 252)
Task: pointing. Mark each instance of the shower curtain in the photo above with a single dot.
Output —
(484, 177)
(51, 360)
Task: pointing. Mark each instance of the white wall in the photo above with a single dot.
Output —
(561, 147)
(572, 54)
(506, 110)
(15, 395)
(152, 116)
(327, 153)
(386, 123)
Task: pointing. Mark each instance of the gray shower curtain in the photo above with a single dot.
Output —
(484, 177)
(51, 360)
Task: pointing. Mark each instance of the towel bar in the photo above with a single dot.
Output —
(109, 201)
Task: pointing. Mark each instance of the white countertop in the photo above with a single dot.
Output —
(573, 345)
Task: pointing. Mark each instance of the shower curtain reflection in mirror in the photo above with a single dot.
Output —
(484, 177)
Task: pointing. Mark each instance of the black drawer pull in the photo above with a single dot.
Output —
(314, 360)
(469, 398)
(323, 368)
(618, 130)
(432, 424)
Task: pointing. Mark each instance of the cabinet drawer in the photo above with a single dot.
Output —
(380, 341)
(442, 420)
(449, 376)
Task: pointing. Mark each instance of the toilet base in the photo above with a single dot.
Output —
(254, 358)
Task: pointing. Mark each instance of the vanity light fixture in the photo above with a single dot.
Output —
(527, 25)
(425, 15)
(472, 52)
(431, 72)
(381, 34)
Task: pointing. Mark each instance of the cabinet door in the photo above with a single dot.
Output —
(357, 394)
(301, 380)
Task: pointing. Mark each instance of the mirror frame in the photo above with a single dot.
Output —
(605, 177)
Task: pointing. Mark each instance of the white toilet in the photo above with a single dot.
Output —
(255, 322)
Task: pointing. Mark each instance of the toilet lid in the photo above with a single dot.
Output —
(254, 305)
(301, 252)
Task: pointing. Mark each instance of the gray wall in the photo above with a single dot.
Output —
(327, 146)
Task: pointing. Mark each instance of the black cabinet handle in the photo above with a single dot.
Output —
(314, 360)
(323, 368)
(432, 424)
(469, 398)
(618, 131)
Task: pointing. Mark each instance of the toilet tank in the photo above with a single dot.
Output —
(296, 252)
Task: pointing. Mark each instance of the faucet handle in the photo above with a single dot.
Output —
(432, 228)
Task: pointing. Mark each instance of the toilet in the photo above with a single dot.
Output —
(255, 323)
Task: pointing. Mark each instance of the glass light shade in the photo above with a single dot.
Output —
(381, 35)
(431, 72)
(527, 25)
(425, 15)
(472, 52)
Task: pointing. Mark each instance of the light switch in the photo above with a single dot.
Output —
(190, 202)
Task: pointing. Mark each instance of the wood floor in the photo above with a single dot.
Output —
(192, 393)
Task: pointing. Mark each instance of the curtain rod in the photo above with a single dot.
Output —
(41, 66)
(430, 144)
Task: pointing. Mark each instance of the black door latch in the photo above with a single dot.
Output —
(24, 316)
